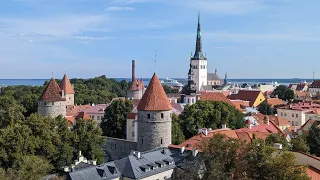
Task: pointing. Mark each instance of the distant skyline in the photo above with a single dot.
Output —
(87, 38)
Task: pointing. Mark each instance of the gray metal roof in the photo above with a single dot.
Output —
(213, 77)
(104, 171)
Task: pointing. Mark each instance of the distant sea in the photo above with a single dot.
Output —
(40, 82)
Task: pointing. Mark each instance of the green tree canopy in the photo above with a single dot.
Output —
(313, 139)
(209, 114)
(283, 92)
(277, 138)
(265, 108)
(115, 119)
(177, 134)
(226, 158)
(300, 144)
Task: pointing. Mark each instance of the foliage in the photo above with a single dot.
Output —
(226, 158)
(115, 119)
(177, 134)
(209, 114)
(314, 139)
(300, 144)
(42, 142)
(169, 89)
(283, 92)
(265, 108)
(98, 90)
(88, 139)
(277, 138)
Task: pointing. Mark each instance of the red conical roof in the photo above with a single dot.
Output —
(134, 85)
(52, 92)
(66, 85)
(154, 99)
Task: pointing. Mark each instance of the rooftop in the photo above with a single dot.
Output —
(66, 85)
(154, 98)
(52, 92)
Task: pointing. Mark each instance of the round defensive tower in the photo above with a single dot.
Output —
(154, 117)
(66, 86)
(52, 101)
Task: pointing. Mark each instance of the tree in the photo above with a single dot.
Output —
(313, 139)
(277, 138)
(283, 92)
(115, 119)
(10, 111)
(209, 114)
(265, 108)
(169, 89)
(177, 134)
(300, 144)
(226, 158)
(88, 139)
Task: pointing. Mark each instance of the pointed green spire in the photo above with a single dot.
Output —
(198, 51)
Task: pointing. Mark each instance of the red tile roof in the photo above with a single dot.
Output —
(265, 128)
(136, 85)
(246, 95)
(52, 92)
(66, 85)
(214, 96)
(83, 115)
(154, 98)
(313, 173)
(74, 110)
(70, 120)
(240, 104)
(131, 115)
(275, 101)
(302, 93)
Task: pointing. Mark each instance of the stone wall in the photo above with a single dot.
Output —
(52, 109)
(70, 99)
(134, 94)
(154, 129)
(115, 148)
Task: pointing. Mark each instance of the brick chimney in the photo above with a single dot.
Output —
(133, 69)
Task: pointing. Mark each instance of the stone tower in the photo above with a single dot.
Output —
(68, 90)
(154, 117)
(136, 88)
(199, 62)
(52, 101)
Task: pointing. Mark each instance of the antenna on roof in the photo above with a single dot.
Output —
(155, 60)
(52, 74)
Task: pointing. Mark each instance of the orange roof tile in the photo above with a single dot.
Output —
(313, 173)
(131, 115)
(214, 96)
(275, 101)
(240, 104)
(135, 85)
(52, 92)
(83, 115)
(70, 120)
(74, 110)
(302, 93)
(66, 85)
(154, 98)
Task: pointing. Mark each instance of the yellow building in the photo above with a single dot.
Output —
(254, 97)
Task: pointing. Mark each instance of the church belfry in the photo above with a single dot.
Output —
(199, 62)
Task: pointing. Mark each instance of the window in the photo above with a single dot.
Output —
(98, 117)
(45, 103)
(297, 115)
(132, 134)
(161, 141)
(281, 114)
(148, 116)
(292, 115)
(165, 177)
(142, 141)
(285, 114)
(161, 115)
(292, 123)
(132, 123)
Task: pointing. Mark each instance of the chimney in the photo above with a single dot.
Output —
(94, 162)
(205, 131)
(266, 120)
(133, 69)
(224, 126)
(295, 129)
(194, 152)
(138, 155)
(62, 93)
(250, 126)
(182, 149)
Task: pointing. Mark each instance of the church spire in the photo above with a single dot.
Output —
(198, 51)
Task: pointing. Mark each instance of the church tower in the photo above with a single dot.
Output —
(154, 117)
(199, 62)
(68, 90)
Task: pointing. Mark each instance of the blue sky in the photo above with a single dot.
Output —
(88, 38)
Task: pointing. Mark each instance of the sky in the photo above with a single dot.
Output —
(89, 38)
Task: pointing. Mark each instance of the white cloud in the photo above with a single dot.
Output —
(120, 8)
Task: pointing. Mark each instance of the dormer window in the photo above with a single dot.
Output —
(145, 168)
